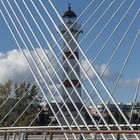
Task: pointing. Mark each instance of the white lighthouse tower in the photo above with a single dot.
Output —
(69, 18)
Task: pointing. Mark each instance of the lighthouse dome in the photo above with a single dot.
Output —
(69, 13)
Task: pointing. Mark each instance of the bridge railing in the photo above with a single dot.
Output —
(21, 19)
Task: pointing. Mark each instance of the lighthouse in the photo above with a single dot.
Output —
(69, 18)
(74, 89)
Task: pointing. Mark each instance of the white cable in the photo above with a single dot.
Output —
(113, 30)
(112, 92)
(117, 48)
(33, 73)
(129, 52)
(134, 102)
(119, 45)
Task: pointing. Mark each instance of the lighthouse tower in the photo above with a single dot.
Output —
(69, 18)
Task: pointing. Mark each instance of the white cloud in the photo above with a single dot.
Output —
(129, 82)
(2, 55)
(13, 65)
(88, 69)
(55, 93)
(108, 74)
(102, 69)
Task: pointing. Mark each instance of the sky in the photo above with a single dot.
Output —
(14, 67)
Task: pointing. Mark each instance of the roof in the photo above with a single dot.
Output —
(69, 13)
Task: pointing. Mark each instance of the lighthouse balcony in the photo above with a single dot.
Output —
(72, 27)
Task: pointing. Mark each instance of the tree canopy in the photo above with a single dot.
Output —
(21, 107)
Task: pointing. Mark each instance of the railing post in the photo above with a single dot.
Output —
(24, 136)
(45, 136)
(118, 136)
(51, 136)
(94, 136)
(14, 136)
(81, 138)
(6, 136)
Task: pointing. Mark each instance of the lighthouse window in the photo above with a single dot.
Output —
(77, 69)
(67, 69)
(65, 97)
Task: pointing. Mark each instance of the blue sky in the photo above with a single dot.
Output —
(132, 70)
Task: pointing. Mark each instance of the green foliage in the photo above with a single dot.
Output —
(24, 95)
(5, 88)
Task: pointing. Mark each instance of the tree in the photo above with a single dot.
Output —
(25, 93)
(6, 88)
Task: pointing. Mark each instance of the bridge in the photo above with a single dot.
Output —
(83, 73)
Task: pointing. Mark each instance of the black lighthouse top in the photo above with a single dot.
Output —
(69, 18)
(69, 13)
